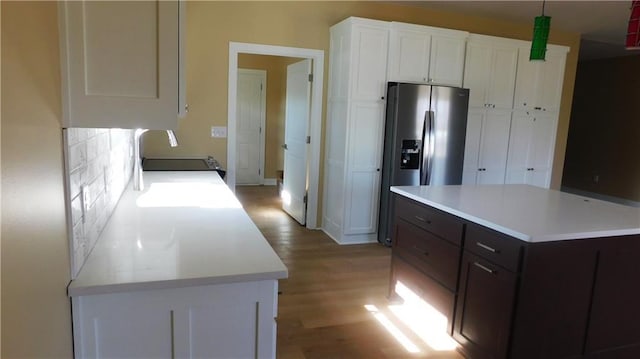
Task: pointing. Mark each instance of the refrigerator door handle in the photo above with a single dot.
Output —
(427, 148)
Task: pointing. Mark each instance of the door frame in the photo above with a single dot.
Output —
(263, 116)
(315, 121)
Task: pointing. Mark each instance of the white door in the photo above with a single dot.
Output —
(294, 184)
(250, 119)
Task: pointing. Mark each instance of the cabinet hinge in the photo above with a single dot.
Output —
(260, 87)
(308, 139)
(310, 77)
(304, 199)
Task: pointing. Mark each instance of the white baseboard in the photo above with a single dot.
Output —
(269, 182)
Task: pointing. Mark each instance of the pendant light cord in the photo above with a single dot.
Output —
(543, 7)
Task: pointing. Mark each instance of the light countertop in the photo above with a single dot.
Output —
(529, 213)
(184, 229)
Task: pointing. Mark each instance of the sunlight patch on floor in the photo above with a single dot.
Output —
(419, 318)
(393, 329)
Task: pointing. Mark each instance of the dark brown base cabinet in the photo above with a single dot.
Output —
(507, 298)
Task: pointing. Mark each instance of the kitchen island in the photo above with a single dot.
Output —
(520, 271)
(180, 270)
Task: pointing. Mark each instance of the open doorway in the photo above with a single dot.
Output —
(315, 112)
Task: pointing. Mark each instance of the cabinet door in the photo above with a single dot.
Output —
(120, 63)
(446, 60)
(363, 168)
(484, 308)
(614, 328)
(502, 82)
(520, 142)
(531, 148)
(540, 159)
(369, 62)
(549, 89)
(409, 53)
(477, 73)
(472, 146)
(539, 83)
(494, 144)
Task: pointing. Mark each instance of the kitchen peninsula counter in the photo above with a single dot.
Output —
(184, 229)
(180, 270)
(529, 213)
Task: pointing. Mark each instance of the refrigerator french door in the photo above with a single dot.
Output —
(425, 132)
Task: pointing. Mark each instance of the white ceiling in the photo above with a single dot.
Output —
(603, 24)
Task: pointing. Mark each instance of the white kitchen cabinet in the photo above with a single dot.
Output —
(490, 71)
(426, 54)
(121, 63)
(234, 320)
(355, 123)
(539, 83)
(486, 146)
(531, 148)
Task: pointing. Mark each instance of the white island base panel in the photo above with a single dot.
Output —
(233, 320)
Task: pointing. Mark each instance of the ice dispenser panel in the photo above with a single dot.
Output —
(410, 155)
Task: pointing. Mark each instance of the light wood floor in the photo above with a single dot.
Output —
(321, 311)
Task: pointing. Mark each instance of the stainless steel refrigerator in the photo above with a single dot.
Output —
(424, 141)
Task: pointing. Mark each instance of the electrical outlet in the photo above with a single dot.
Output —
(219, 131)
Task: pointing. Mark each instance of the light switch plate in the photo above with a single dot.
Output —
(219, 131)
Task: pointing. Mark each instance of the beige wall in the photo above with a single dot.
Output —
(211, 25)
(276, 68)
(605, 128)
(36, 318)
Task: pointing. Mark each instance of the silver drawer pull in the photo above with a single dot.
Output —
(486, 269)
(423, 220)
(484, 246)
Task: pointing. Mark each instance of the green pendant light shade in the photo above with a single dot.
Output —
(540, 36)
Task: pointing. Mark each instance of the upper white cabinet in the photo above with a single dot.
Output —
(120, 63)
(531, 148)
(354, 129)
(490, 71)
(426, 54)
(539, 83)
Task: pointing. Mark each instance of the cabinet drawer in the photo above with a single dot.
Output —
(434, 221)
(431, 254)
(496, 247)
(439, 297)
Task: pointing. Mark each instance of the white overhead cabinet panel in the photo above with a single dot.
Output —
(490, 71)
(355, 125)
(486, 146)
(120, 63)
(531, 148)
(426, 54)
(539, 83)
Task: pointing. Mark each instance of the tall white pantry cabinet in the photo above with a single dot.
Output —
(513, 111)
(355, 126)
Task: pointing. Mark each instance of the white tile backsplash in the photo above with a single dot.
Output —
(101, 162)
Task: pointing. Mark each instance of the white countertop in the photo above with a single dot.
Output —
(529, 213)
(184, 229)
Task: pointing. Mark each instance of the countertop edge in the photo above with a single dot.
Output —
(172, 283)
(513, 233)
